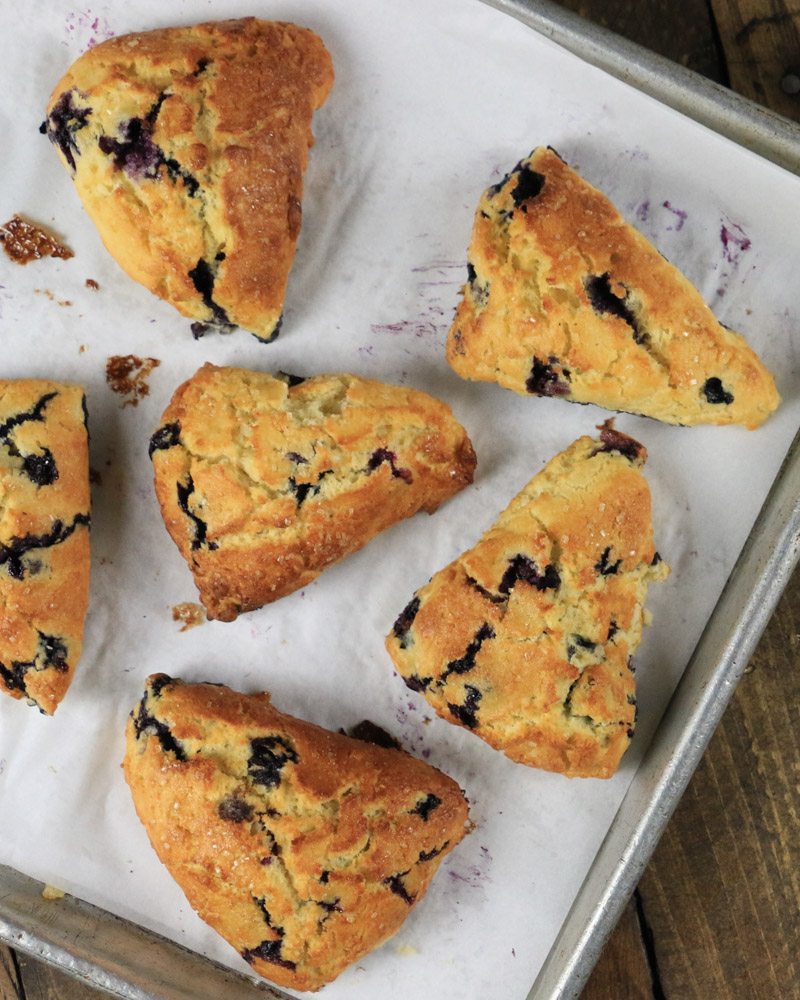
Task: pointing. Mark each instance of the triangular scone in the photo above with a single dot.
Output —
(187, 147)
(304, 849)
(565, 298)
(265, 481)
(526, 639)
(44, 538)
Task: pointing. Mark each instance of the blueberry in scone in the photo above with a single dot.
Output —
(565, 299)
(187, 147)
(527, 638)
(266, 480)
(44, 538)
(305, 849)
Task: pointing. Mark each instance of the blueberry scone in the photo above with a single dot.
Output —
(265, 480)
(305, 849)
(527, 639)
(44, 538)
(187, 147)
(566, 299)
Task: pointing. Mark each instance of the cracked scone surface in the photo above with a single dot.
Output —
(566, 299)
(304, 849)
(187, 147)
(527, 638)
(265, 480)
(44, 538)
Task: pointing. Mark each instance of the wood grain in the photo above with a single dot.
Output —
(761, 42)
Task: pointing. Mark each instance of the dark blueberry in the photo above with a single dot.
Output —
(261, 903)
(615, 441)
(426, 806)
(330, 907)
(36, 412)
(54, 650)
(184, 491)
(405, 620)
(603, 300)
(529, 185)
(494, 598)
(578, 641)
(612, 631)
(545, 380)
(296, 457)
(85, 409)
(41, 469)
(417, 683)
(434, 852)
(630, 733)
(165, 437)
(203, 280)
(715, 392)
(630, 665)
(324, 877)
(467, 713)
(495, 189)
(135, 153)
(604, 566)
(268, 951)
(220, 256)
(522, 567)
(199, 330)
(14, 676)
(466, 662)
(368, 732)
(396, 884)
(381, 455)
(63, 122)
(202, 64)
(631, 699)
(290, 380)
(268, 756)
(146, 724)
(656, 559)
(235, 809)
(303, 490)
(158, 683)
(11, 552)
(479, 292)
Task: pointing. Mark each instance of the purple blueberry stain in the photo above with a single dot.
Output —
(734, 242)
(680, 215)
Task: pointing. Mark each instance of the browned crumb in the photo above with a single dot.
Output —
(91, 283)
(126, 374)
(23, 242)
(188, 613)
(82, 348)
(49, 294)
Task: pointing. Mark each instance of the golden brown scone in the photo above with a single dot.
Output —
(264, 481)
(304, 849)
(44, 538)
(526, 639)
(187, 147)
(565, 299)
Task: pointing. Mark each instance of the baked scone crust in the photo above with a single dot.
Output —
(567, 299)
(527, 638)
(44, 538)
(304, 849)
(187, 147)
(264, 481)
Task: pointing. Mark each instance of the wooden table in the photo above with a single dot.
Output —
(716, 915)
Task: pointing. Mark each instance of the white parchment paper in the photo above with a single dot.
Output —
(433, 101)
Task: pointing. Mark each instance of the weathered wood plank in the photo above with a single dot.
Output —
(11, 987)
(722, 893)
(623, 971)
(681, 30)
(761, 42)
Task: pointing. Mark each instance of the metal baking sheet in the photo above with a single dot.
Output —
(108, 951)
